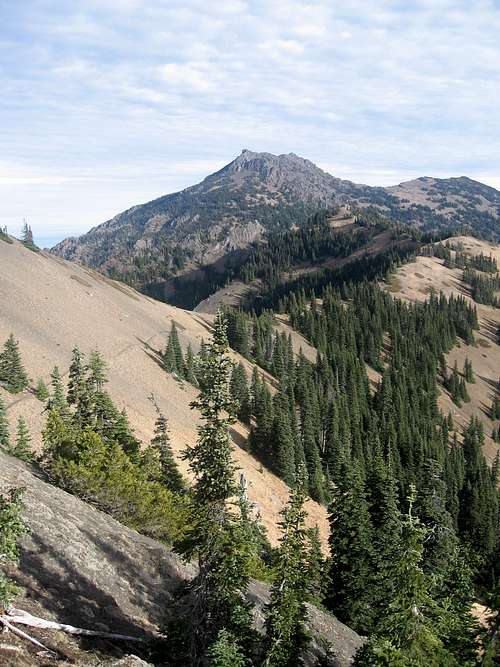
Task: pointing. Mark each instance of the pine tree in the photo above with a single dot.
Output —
(22, 447)
(240, 393)
(351, 546)
(216, 536)
(41, 391)
(76, 377)
(170, 475)
(4, 427)
(226, 652)
(468, 372)
(12, 374)
(190, 374)
(57, 400)
(11, 528)
(285, 631)
(96, 368)
(174, 361)
(27, 236)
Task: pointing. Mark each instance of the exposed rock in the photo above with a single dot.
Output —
(82, 567)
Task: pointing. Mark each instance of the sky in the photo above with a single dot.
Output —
(110, 103)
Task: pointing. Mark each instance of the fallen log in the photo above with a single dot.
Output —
(22, 617)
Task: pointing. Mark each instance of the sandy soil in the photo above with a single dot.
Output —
(52, 305)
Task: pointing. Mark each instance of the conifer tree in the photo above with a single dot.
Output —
(22, 447)
(240, 393)
(169, 475)
(57, 400)
(12, 374)
(41, 391)
(216, 537)
(190, 373)
(468, 372)
(96, 368)
(11, 528)
(351, 546)
(27, 235)
(285, 631)
(76, 377)
(4, 427)
(174, 360)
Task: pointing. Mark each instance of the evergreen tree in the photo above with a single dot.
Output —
(4, 427)
(285, 630)
(22, 447)
(352, 563)
(190, 374)
(226, 652)
(12, 374)
(27, 236)
(41, 391)
(174, 361)
(468, 372)
(216, 537)
(11, 528)
(96, 368)
(57, 400)
(240, 393)
(77, 380)
(169, 473)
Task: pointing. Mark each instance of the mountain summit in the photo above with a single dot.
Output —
(153, 242)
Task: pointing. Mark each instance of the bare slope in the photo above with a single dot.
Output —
(51, 305)
(413, 282)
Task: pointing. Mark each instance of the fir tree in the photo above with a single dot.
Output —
(240, 393)
(169, 473)
(12, 374)
(468, 372)
(96, 368)
(22, 447)
(190, 373)
(216, 537)
(76, 377)
(174, 361)
(41, 391)
(27, 236)
(4, 427)
(285, 630)
(11, 528)
(57, 400)
(352, 564)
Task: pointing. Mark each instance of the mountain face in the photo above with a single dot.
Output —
(150, 244)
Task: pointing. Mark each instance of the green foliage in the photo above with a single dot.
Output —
(103, 474)
(226, 652)
(167, 471)
(11, 528)
(4, 427)
(22, 447)
(172, 356)
(41, 391)
(218, 537)
(12, 374)
(285, 615)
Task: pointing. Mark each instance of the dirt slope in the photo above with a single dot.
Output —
(413, 282)
(51, 305)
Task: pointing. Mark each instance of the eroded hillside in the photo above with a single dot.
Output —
(51, 305)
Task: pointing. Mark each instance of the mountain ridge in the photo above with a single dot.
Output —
(150, 244)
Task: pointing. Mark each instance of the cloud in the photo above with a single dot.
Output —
(108, 103)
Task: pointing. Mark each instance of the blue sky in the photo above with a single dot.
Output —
(109, 103)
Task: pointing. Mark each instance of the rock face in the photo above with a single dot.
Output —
(150, 244)
(82, 567)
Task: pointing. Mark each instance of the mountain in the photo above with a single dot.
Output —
(216, 221)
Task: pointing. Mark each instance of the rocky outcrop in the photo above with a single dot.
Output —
(80, 566)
